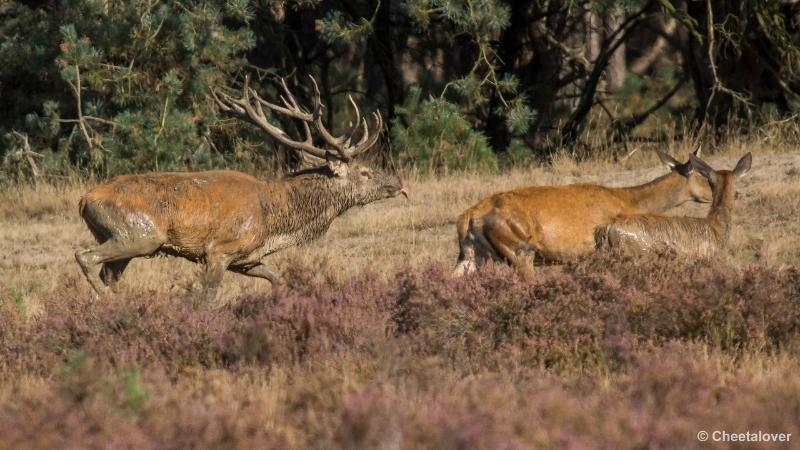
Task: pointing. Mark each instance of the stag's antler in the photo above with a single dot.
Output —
(340, 147)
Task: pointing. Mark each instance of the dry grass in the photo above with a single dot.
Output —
(328, 370)
(42, 229)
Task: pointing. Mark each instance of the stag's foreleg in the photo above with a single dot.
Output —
(113, 256)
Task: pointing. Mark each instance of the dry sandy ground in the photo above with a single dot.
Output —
(40, 228)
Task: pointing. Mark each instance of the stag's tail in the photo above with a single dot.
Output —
(82, 207)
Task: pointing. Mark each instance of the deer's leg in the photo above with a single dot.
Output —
(261, 270)
(112, 251)
(111, 272)
(475, 248)
(466, 245)
(507, 240)
(522, 264)
(466, 259)
(216, 265)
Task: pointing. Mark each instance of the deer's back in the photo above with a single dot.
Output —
(558, 221)
(189, 210)
(647, 232)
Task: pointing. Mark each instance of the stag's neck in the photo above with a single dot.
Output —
(307, 207)
(659, 195)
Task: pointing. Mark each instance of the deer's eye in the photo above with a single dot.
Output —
(365, 173)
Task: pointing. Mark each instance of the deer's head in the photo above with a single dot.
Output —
(721, 179)
(696, 186)
(336, 157)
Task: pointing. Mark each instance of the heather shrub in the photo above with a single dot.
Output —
(590, 313)
(609, 352)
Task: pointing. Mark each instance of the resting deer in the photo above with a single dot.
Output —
(229, 220)
(689, 235)
(557, 223)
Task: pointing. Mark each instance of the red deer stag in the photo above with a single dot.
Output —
(688, 235)
(557, 223)
(229, 220)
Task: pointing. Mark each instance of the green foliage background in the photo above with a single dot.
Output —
(100, 87)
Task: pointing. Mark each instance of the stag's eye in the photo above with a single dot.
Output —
(365, 173)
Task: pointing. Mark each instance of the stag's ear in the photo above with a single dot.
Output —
(743, 165)
(668, 160)
(338, 168)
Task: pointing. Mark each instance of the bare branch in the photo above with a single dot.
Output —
(718, 86)
(28, 153)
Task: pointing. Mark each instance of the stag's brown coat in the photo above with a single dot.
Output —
(229, 220)
(557, 223)
(688, 235)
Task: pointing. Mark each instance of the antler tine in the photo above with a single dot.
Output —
(338, 144)
(244, 108)
(295, 113)
(231, 105)
(365, 134)
(368, 141)
(285, 102)
(222, 105)
(289, 95)
(351, 151)
(356, 122)
(292, 105)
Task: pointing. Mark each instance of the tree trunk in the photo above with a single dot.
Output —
(381, 46)
(617, 69)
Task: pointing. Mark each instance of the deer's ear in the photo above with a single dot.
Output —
(669, 161)
(702, 167)
(338, 168)
(743, 165)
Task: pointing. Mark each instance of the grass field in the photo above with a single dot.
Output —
(371, 344)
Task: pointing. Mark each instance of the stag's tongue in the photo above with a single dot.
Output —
(402, 191)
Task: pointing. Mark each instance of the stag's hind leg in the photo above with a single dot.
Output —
(115, 252)
(261, 270)
(111, 272)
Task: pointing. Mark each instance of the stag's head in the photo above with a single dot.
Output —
(336, 157)
(364, 183)
(696, 185)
